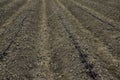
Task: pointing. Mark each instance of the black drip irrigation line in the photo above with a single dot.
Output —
(81, 53)
(103, 21)
(20, 25)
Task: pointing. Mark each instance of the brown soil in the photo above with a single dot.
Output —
(44, 50)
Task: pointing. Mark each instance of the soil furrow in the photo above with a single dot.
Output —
(22, 55)
(98, 28)
(104, 9)
(93, 46)
(112, 3)
(59, 40)
(9, 10)
(65, 63)
(42, 72)
(112, 23)
(10, 27)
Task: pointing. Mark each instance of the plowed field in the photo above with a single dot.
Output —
(59, 39)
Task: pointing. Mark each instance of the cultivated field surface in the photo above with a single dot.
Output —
(59, 39)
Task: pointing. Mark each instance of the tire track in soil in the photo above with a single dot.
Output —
(92, 45)
(96, 27)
